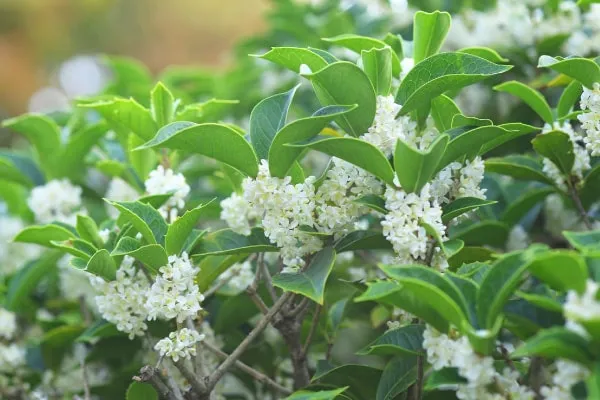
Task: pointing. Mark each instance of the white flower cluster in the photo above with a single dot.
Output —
(518, 239)
(8, 324)
(582, 158)
(13, 255)
(57, 200)
(239, 276)
(559, 218)
(123, 300)
(165, 181)
(119, 190)
(12, 356)
(174, 294)
(443, 351)
(179, 344)
(237, 213)
(590, 120)
(584, 307)
(567, 375)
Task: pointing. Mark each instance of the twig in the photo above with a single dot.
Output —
(86, 383)
(250, 371)
(267, 278)
(174, 387)
(301, 306)
(579, 205)
(152, 376)
(198, 384)
(262, 324)
(256, 299)
(313, 329)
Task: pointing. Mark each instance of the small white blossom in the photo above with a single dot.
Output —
(239, 276)
(165, 181)
(57, 200)
(582, 158)
(174, 294)
(12, 356)
(584, 307)
(236, 212)
(179, 344)
(518, 239)
(590, 121)
(119, 190)
(13, 255)
(8, 324)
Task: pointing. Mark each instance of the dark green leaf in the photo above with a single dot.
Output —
(443, 110)
(398, 375)
(145, 219)
(556, 342)
(126, 114)
(405, 340)
(461, 206)
(558, 148)
(44, 235)
(225, 242)
(374, 202)
(362, 240)
(531, 97)
(103, 265)
(141, 391)
(569, 97)
(99, 329)
(415, 168)
(518, 208)
(518, 167)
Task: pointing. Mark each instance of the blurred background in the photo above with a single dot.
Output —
(42, 42)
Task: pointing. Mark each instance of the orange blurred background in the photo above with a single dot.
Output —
(36, 36)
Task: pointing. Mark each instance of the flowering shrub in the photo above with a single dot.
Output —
(356, 235)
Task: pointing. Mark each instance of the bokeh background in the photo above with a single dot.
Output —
(38, 36)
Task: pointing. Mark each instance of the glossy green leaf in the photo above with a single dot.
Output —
(415, 168)
(530, 96)
(377, 64)
(73, 155)
(162, 105)
(518, 208)
(518, 167)
(361, 380)
(441, 73)
(359, 44)
(355, 151)
(485, 233)
(145, 218)
(556, 342)
(461, 206)
(281, 157)
(589, 192)
(569, 97)
(561, 270)
(267, 118)
(497, 286)
(310, 282)
(444, 379)
(398, 375)
(11, 173)
(320, 395)
(213, 266)
(212, 140)
(584, 70)
(226, 241)
(443, 110)
(460, 120)
(429, 33)
(103, 265)
(209, 111)
(362, 240)
(485, 53)
(181, 228)
(402, 341)
(374, 202)
(88, 230)
(331, 87)
(44, 235)
(99, 329)
(153, 256)
(293, 57)
(558, 148)
(77, 247)
(141, 391)
(126, 114)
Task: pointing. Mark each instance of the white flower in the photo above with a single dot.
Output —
(12, 356)
(104, 234)
(584, 307)
(582, 158)
(179, 344)
(119, 190)
(13, 255)
(590, 121)
(239, 276)
(122, 301)
(57, 200)
(518, 239)
(174, 294)
(8, 324)
(567, 375)
(471, 176)
(439, 347)
(165, 181)
(236, 211)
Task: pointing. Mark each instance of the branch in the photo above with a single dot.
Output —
(86, 383)
(262, 324)
(313, 329)
(267, 278)
(256, 299)
(152, 376)
(197, 384)
(250, 371)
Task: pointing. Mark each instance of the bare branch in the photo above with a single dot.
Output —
(313, 328)
(262, 266)
(152, 376)
(197, 383)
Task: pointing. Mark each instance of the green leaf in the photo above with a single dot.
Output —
(584, 70)
(374, 202)
(88, 230)
(377, 64)
(361, 380)
(569, 97)
(267, 118)
(281, 157)
(162, 105)
(143, 161)
(11, 173)
(593, 382)
(398, 375)
(44, 135)
(362, 240)
(103, 265)
(485, 233)
(26, 279)
(44, 235)
(72, 157)
(293, 57)
(587, 243)
(213, 266)
(561, 270)
(531, 97)
(558, 148)
(518, 167)
(443, 110)
(556, 342)
(212, 140)
(226, 241)
(461, 206)
(485, 53)
(153, 256)
(356, 151)
(180, 229)
(589, 192)
(359, 44)
(444, 379)
(415, 168)
(460, 120)
(309, 282)
(497, 286)
(145, 218)
(24, 165)
(434, 290)
(429, 33)
(402, 341)
(141, 391)
(126, 114)
(99, 329)
(320, 395)
(441, 73)
(77, 247)
(395, 42)
(208, 111)
(518, 208)
(332, 88)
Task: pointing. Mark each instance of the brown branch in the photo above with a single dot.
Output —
(267, 278)
(197, 383)
(260, 377)
(262, 324)
(256, 299)
(151, 375)
(313, 328)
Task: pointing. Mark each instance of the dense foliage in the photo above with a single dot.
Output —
(373, 215)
